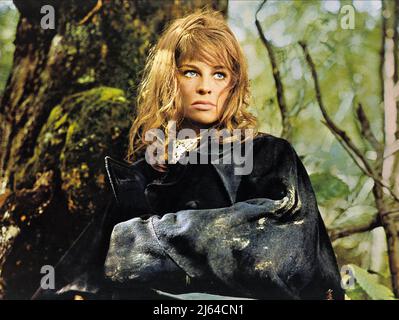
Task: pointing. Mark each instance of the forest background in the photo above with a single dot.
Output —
(324, 75)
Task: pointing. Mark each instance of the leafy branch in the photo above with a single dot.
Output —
(346, 142)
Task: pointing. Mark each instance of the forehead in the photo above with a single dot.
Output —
(202, 64)
(207, 54)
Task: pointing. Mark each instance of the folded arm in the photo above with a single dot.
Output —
(261, 247)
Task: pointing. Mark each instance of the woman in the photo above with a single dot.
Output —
(238, 222)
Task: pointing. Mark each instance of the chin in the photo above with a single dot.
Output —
(204, 121)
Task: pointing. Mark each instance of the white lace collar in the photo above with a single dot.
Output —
(180, 146)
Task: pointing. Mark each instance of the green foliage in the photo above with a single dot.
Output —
(347, 64)
(328, 187)
(355, 216)
(367, 287)
(8, 23)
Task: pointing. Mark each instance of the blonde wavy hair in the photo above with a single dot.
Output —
(205, 36)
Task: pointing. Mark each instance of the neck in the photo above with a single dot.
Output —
(196, 126)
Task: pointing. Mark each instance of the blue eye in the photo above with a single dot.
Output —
(221, 75)
(190, 73)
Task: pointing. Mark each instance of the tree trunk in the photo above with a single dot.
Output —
(68, 103)
(387, 207)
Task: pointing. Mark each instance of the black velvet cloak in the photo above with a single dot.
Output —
(203, 228)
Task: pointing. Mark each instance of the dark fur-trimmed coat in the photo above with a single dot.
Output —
(203, 228)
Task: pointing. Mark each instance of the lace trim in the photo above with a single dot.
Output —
(181, 146)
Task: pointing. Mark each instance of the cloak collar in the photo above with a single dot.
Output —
(122, 175)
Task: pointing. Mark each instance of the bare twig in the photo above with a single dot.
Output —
(92, 12)
(391, 149)
(366, 129)
(341, 233)
(277, 78)
(368, 134)
(388, 188)
(360, 165)
(329, 122)
(354, 157)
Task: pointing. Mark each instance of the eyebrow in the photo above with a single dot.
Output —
(219, 67)
(193, 66)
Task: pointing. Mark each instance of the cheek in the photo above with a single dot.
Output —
(223, 96)
(186, 90)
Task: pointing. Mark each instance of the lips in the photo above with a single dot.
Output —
(203, 105)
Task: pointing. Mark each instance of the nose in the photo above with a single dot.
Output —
(204, 86)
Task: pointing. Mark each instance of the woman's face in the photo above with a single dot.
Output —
(203, 90)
